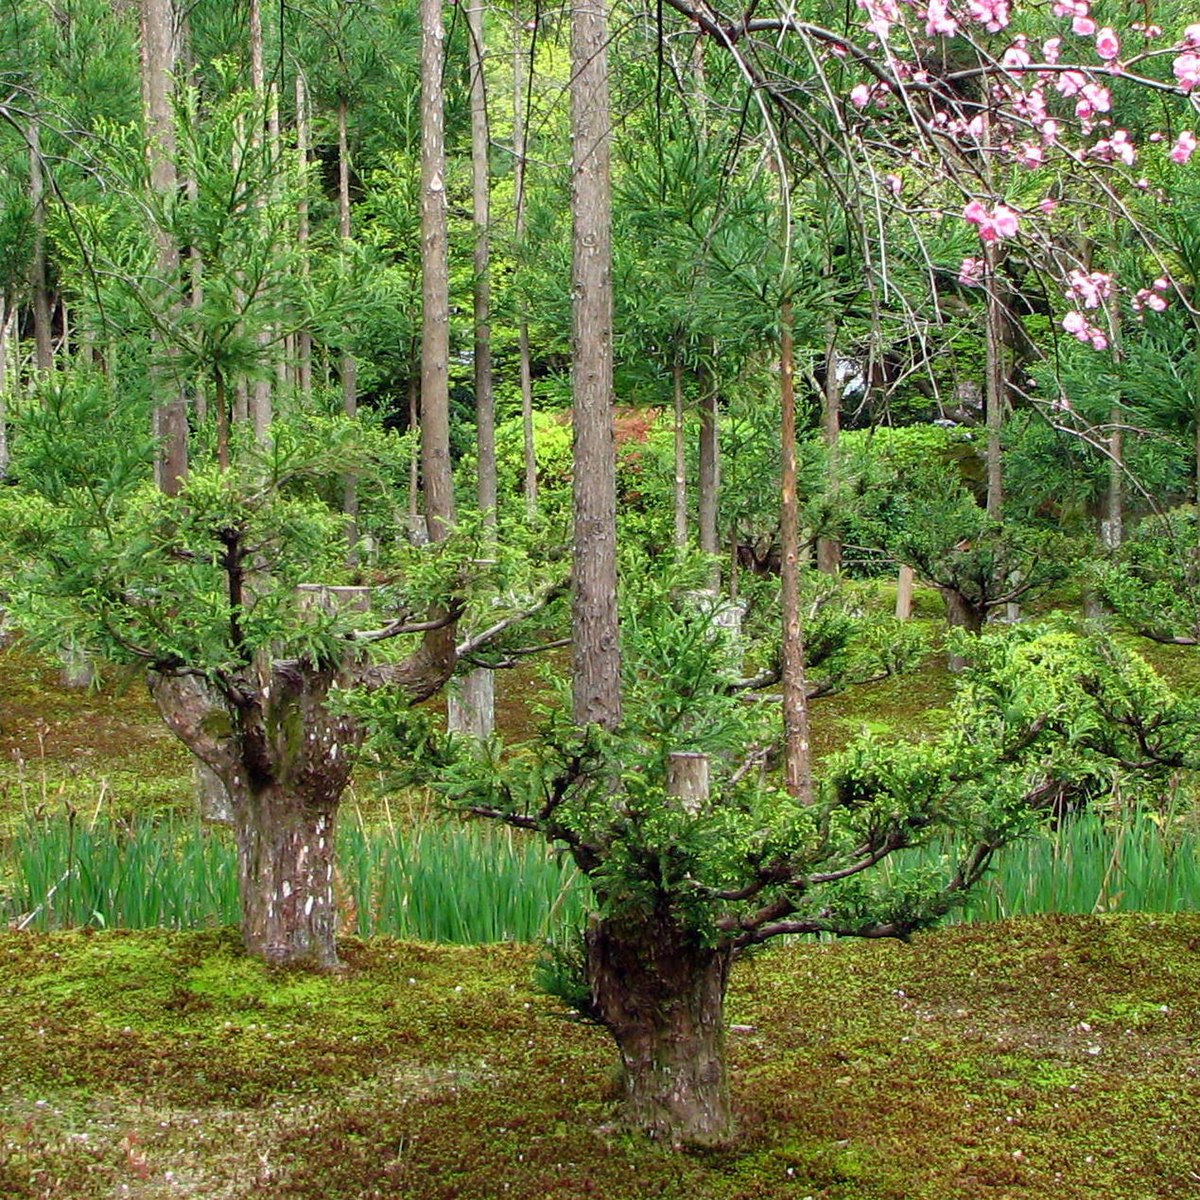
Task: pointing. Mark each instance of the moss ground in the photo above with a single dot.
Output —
(1053, 1058)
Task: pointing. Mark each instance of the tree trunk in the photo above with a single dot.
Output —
(595, 645)
(681, 499)
(829, 550)
(797, 755)
(708, 485)
(661, 994)
(961, 614)
(303, 336)
(260, 392)
(435, 281)
(349, 363)
(519, 169)
(285, 870)
(994, 383)
(158, 69)
(5, 321)
(39, 285)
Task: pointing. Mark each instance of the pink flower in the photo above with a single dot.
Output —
(1015, 58)
(970, 274)
(1083, 26)
(860, 95)
(1074, 322)
(1050, 132)
(1050, 49)
(1090, 289)
(1187, 71)
(976, 213)
(1070, 83)
(938, 19)
(1191, 38)
(1184, 146)
(1030, 155)
(991, 14)
(1099, 97)
(1006, 221)
(1048, 205)
(893, 183)
(1108, 45)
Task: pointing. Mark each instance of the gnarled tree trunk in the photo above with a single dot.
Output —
(660, 992)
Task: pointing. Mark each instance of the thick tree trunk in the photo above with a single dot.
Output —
(661, 994)
(595, 645)
(285, 869)
(960, 614)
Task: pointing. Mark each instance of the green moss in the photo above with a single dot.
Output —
(1031, 1059)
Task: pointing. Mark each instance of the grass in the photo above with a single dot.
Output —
(438, 883)
(1038, 1059)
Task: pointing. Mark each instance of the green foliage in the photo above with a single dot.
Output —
(1154, 581)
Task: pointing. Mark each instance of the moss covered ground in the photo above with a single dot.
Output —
(1054, 1058)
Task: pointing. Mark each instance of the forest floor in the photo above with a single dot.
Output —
(1043, 1059)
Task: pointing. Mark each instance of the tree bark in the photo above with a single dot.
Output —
(6, 315)
(595, 645)
(904, 593)
(708, 485)
(435, 282)
(260, 392)
(303, 336)
(681, 498)
(285, 759)
(349, 366)
(829, 550)
(661, 994)
(961, 614)
(159, 53)
(797, 755)
(994, 388)
(39, 286)
(519, 170)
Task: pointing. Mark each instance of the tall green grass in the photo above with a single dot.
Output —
(442, 883)
(470, 883)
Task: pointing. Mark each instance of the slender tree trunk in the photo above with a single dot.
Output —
(681, 497)
(1113, 526)
(260, 391)
(349, 363)
(829, 550)
(158, 67)
(797, 755)
(904, 593)
(660, 992)
(960, 614)
(42, 332)
(520, 165)
(303, 336)
(435, 281)
(414, 465)
(6, 315)
(994, 383)
(708, 485)
(595, 646)
(472, 710)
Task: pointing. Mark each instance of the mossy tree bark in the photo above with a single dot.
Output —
(660, 992)
(285, 754)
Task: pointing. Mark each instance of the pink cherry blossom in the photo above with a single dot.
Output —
(1005, 221)
(1191, 37)
(1187, 71)
(1048, 205)
(1030, 155)
(1083, 26)
(1108, 45)
(970, 274)
(1050, 132)
(938, 19)
(1090, 289)
(1074, 322)
(1184, 146)
(1051, 48)
(860, 95)
(991, 14)
(1070, 83)
(1015, 58)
